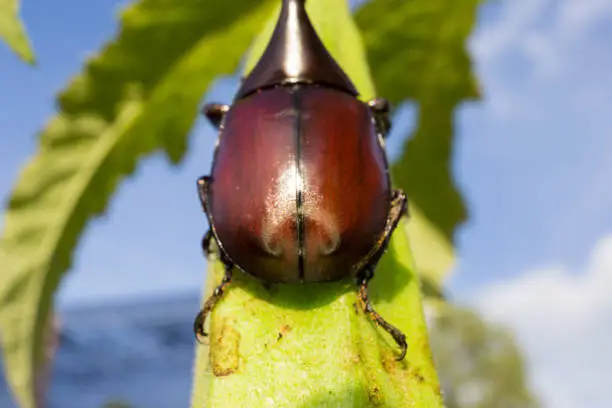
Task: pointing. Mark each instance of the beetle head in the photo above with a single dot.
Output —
(295, 54)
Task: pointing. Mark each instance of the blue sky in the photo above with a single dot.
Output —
(533, 160)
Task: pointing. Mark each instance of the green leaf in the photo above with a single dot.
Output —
(433, 253)
(138, 96)
(13, 32)
(416, 50)
(307, 345)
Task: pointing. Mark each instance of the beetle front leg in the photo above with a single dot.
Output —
(215, 112)
(200, 320)
(398, 209)
(203, 189)
(380, 108)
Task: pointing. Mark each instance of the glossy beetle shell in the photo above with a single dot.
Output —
(300, 189)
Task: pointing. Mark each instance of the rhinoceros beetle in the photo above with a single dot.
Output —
(299, 189)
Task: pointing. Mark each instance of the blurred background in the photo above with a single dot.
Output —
(530, 321)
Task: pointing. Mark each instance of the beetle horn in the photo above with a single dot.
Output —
(295, 54)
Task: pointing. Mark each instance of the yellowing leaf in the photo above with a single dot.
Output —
(417, 52)
(139, 95)
(12, 30)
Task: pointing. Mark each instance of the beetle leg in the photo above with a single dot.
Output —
(215, 112)
(198, 324)
(207, 243)
(398, 336)
(203, 185)
(398, 209)
(380, 108)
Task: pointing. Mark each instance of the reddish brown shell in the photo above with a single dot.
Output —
(300, 188)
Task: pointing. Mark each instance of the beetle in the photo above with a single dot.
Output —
(299, 189)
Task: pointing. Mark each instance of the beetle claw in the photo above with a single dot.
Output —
(198, 327)
(403, 347)
(198, 323)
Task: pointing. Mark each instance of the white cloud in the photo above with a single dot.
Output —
(539, 28)
(536, 42)
(576, 17)
(563, 321)
(570, 29)
(497, 36)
